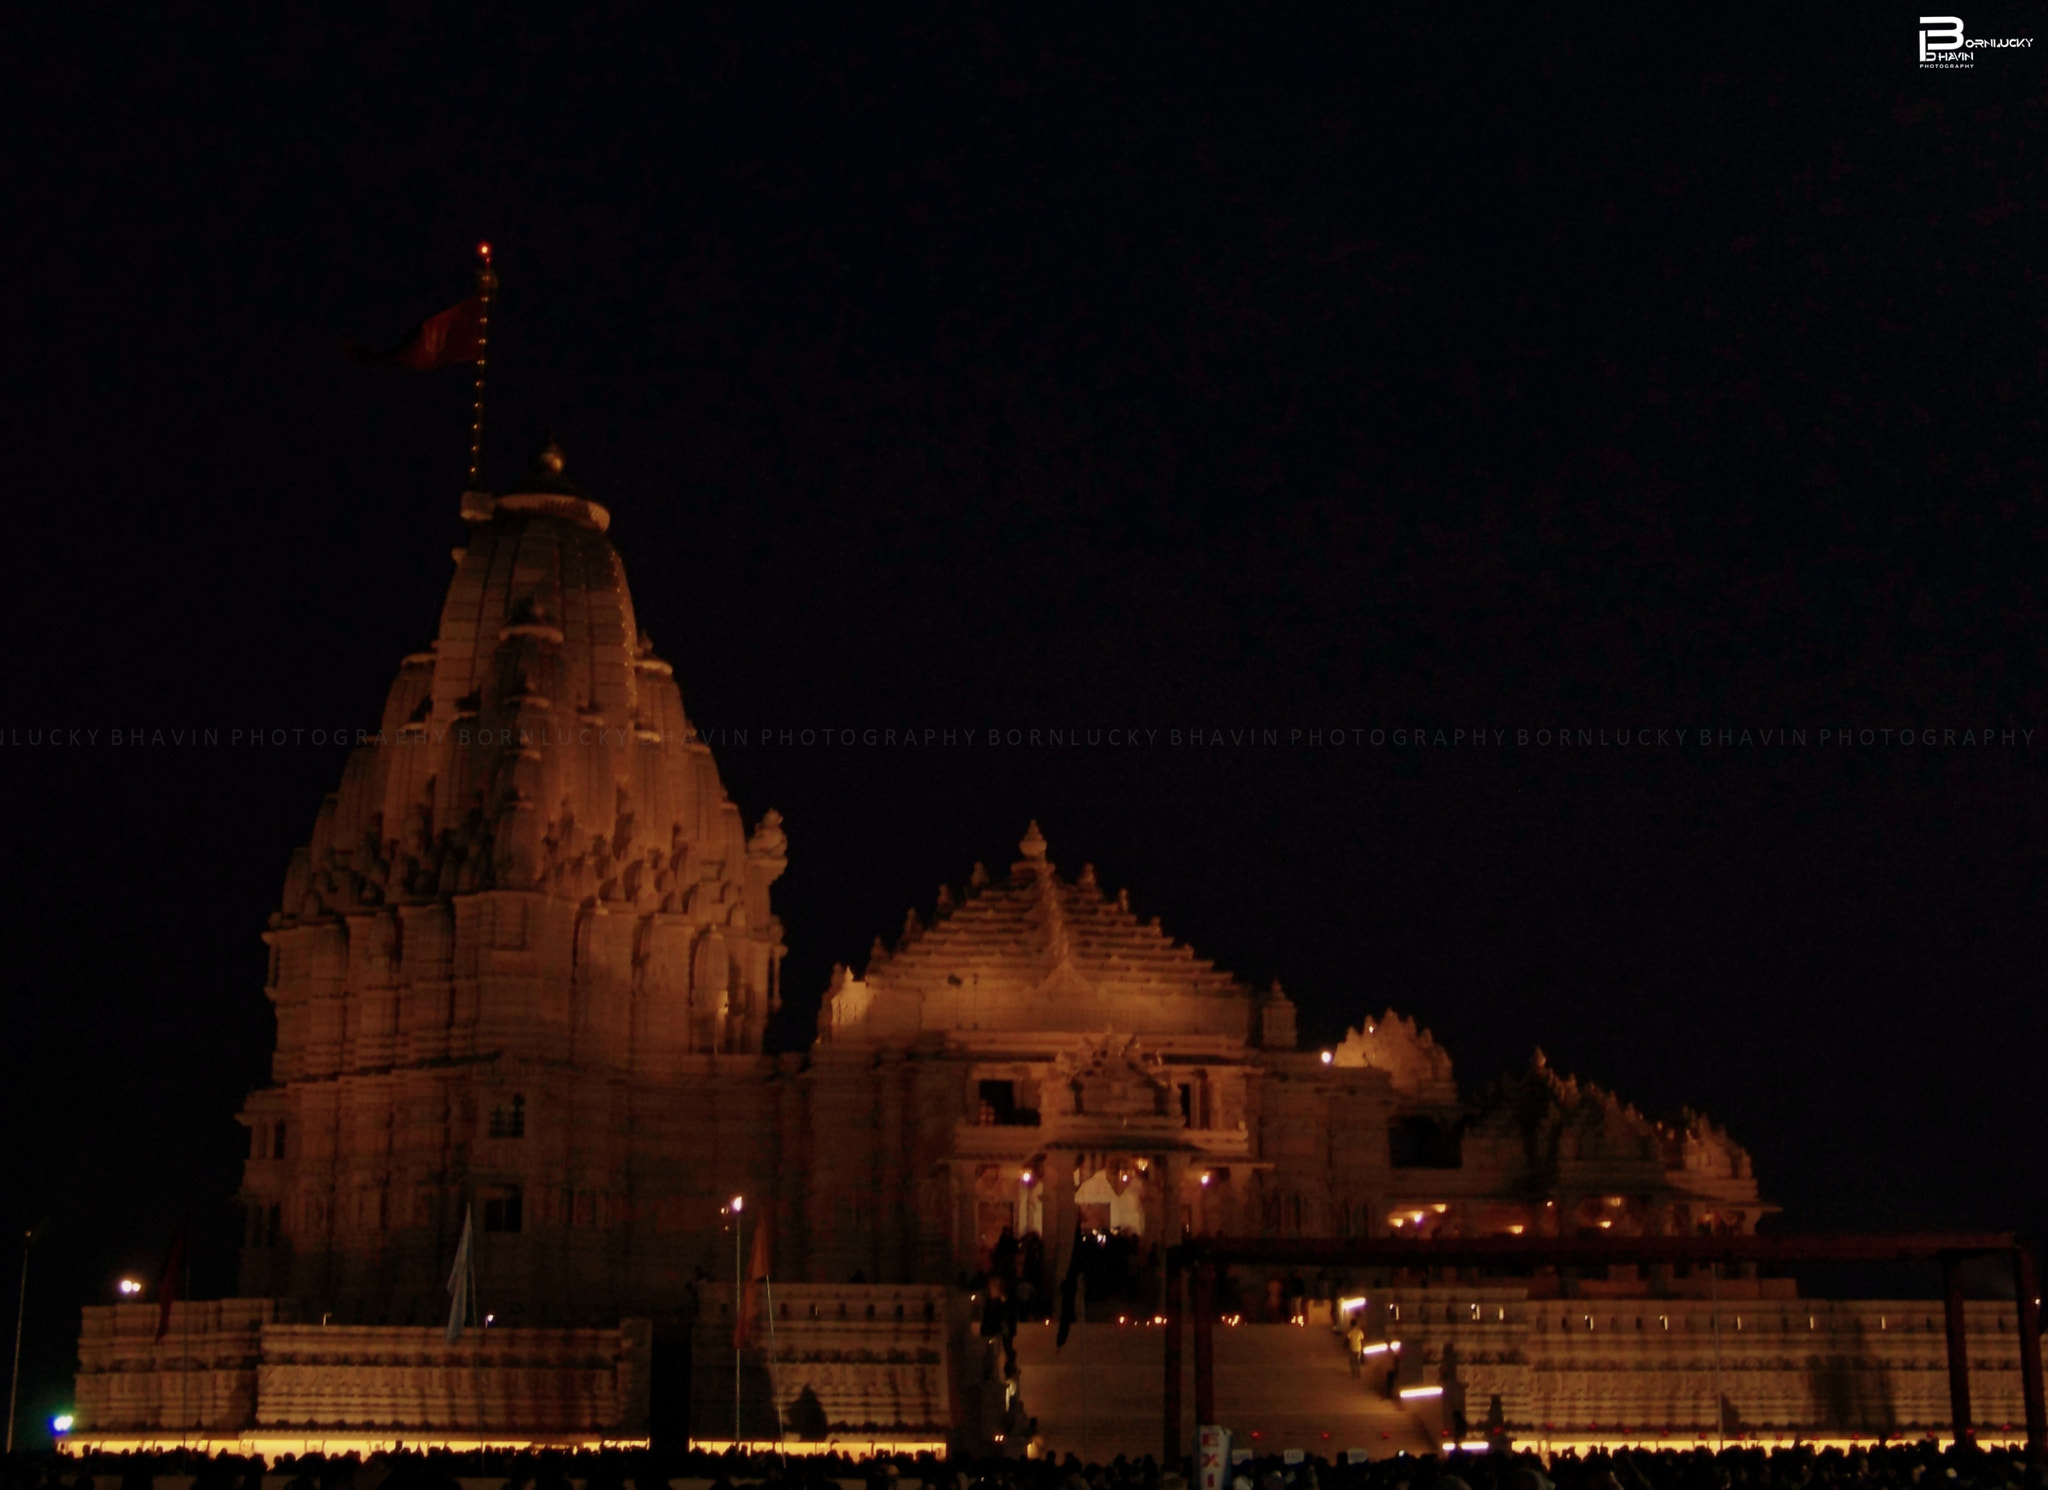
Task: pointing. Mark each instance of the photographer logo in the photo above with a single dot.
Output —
(1943, 44)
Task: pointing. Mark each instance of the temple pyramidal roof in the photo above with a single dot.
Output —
(1036, 952)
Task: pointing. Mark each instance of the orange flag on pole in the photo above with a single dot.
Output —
(171, 1285)
(453, 337)
(750, 1294)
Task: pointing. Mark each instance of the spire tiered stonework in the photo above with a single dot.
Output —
(529, 924)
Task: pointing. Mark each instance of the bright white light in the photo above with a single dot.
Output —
(1381, 1349)
(1328, 1057)
(129, 1288)
(1476, 1445)
(61, 1423)
(1206, 1176)
(738, 1201)
(1407, 1392)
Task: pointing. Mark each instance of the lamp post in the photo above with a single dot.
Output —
(738, 1303)
(20, 1313)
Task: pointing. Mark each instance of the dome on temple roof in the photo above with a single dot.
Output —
(546, 489)
(1038, 952)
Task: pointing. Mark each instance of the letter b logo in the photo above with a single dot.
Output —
(1940, 34)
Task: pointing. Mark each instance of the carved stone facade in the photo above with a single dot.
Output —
(524, 967)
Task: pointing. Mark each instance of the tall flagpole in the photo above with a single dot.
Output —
(185, 1338)
(774, 1396)
(739, 1302)
(487, 289)
(28, 1238)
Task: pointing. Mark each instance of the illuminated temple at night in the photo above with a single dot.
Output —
(523, 973)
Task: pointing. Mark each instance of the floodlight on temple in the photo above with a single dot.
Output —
(129, 1287)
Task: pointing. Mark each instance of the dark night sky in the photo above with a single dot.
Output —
(1462, 371)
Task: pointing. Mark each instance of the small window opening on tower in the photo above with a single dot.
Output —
(502, 1210)
(997, 1106)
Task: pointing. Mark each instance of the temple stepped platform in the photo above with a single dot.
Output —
(242, 1373)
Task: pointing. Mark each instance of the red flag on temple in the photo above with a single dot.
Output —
(454, 336)
(168, 1285)
(750, 1294)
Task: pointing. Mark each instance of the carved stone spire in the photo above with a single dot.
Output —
(1032, 845)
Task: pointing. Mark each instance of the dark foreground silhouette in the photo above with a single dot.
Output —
(1920, 1466)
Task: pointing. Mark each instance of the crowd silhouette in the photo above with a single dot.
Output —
(1904, 1466)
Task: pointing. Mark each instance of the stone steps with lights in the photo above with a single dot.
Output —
(1290, 1385)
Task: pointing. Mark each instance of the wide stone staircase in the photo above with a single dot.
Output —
(1278, 1387)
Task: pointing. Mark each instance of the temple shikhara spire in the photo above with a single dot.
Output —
(523, 971)
(529, 926)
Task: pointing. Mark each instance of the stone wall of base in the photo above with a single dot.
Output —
(1646, 1366)
(837, 1359)
(240, 1366)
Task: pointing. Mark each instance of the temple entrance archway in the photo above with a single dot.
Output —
(1112, 1200)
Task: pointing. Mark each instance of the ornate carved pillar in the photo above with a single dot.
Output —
(1172, 1187)
(966, 1245)
(1059, 1211)
(791, 1241)
(887, 1264)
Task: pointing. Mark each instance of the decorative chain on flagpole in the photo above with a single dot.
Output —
(487, 289)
